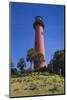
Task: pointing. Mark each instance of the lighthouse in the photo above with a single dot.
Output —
(39, 38)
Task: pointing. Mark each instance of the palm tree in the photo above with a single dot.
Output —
(30, 56)
(21, 64)
(39, 58)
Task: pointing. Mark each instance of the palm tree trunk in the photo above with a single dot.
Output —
(30, 65)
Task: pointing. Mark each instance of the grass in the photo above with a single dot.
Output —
(37, 84)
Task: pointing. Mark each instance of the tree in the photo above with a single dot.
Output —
(13, 69)
(59, 59)
(21, 64)
(57, 63)
(12, 65)
(30, 56)
(39, 58)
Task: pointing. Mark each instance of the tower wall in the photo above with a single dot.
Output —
(39, 42)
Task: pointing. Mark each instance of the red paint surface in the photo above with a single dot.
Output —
(39, 42)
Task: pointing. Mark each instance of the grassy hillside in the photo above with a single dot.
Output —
(37, 84)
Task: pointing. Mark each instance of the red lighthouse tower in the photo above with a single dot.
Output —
(39, 37)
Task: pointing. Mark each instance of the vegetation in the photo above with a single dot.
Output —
(42, 83)
(13, 69)
(21, 64)
(35, 58)
(30, 56)
(57, 63)
(39, 58)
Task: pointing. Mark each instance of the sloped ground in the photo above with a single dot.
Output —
(37, 84)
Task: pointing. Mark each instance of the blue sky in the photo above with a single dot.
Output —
(22, 32)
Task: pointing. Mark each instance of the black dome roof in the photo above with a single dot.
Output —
(38, 20)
